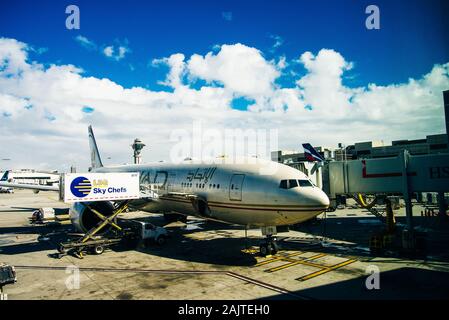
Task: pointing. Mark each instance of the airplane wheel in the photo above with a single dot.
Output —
(263, 250)
(273, 248)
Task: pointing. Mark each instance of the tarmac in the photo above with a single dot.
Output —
(327, 258)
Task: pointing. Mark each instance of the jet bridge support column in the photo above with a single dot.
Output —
(442, 206)
(405, 190)
(408, 234)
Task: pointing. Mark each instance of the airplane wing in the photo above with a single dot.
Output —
(190, 196)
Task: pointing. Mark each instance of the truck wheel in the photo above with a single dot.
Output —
(161, 240)
(98, 249)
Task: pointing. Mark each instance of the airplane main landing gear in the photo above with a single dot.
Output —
(269, 246)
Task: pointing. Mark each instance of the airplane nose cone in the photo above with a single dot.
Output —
(316, 197)
(322, 199)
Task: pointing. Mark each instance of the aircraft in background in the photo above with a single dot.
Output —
(229, 193)
(313, 156)
(10, 183)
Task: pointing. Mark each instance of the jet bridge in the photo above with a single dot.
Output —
(404, 175)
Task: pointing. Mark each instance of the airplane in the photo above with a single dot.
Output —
(9, 183)
(230, 193)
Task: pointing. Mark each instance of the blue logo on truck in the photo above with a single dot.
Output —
(80, 187)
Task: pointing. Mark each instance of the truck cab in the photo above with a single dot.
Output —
(145, 231)
(155, 233)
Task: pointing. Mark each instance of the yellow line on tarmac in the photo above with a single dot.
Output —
(325, 270)
(295, 262)
(277, 258)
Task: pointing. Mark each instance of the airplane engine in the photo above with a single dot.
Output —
(201, 207)
(84, 219)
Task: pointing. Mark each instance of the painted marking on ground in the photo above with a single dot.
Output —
(307, 261)
(326, 269)
(294, 262)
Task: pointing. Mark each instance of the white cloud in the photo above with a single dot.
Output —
(177, 69)
(115, 52)
(31, 95)
(322, 87)
(86, 43)
(108, 51)
(122, 51)
(278, 41)
(241, 69)
(282, 63)
(13, 55)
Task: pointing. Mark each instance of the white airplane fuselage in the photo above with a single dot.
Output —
(230, 193)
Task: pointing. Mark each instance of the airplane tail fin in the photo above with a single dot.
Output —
(311, 154)
(94, 154)
(5, 176)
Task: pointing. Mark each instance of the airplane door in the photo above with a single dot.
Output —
(235, 187)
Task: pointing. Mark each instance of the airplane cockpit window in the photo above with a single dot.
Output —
(305, 183)
(283, 184)
(292, 183)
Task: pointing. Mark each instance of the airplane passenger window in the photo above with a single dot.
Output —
(218, 186)
(283, 184)
(292, 184)
(232, 187)
(305, 183)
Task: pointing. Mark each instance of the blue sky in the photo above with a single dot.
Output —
(409, 43)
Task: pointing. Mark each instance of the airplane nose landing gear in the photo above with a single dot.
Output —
(268, 246)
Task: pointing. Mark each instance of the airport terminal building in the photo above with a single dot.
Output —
(432, 144)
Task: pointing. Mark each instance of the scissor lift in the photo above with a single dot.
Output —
(91, 240)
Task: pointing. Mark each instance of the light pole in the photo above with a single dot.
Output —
(342, 149)
(345, 180)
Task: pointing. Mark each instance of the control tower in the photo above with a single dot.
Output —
(137, 147)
